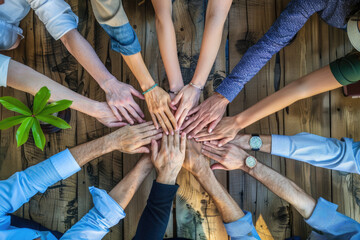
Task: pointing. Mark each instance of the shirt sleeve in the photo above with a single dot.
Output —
(56, 15)
(4, 68)
(21, 186)
(155, 217)
(278, 36)
(242, 229)
(319, 151)
(332, 224)
(97, 222)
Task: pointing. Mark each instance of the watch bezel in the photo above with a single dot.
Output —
(246, 162)
(255, 136)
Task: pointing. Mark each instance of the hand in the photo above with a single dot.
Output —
(225, 131)
(170, 158)
(120, 99)
(104, 115)
(186, 99)
(208, 112)
(158, 102)
(195, 162)
(133, 139)
(229, 157)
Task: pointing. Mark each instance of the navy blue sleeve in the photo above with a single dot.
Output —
(155, 218)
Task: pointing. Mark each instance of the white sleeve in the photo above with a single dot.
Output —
(56, 15)
(4, 67)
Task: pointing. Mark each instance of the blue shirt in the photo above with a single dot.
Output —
(21, 186)
(291, 20)
(342, 155)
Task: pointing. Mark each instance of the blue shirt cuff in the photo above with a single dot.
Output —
(65, 164)
(4, 68)
(123, 39)
(322, 215)
(242, 227)
(229, 89)
(280, 145)
(107, 207)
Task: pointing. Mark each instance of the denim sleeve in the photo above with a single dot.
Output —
(278, 36)
(123, 39)
(242, 229)
(105, 214)
(330, 153)
(56, 15)
(21, 186)
(332, 224)
(155, 218)
(4, 67)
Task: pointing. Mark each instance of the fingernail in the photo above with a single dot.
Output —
(189, 137)
(219, 145)
(210, 130)
(205, 141)
(167, 133)
(172, 133)
(196, 139)
(172, 103)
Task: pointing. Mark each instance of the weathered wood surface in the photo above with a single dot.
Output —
(329, 114)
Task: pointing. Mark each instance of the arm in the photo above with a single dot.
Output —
(28, 80)
(167, 162)
(314, 83)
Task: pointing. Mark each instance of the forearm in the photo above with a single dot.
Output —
(86, 56)
(317, 82)
(25, 79)
(226, 205)
(284, 188)
(124, 191)
(216, 15)
(140, 71)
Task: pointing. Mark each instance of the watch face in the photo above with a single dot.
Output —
(255, 142)
(250, 161)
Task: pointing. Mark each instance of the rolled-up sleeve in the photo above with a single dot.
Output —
(330, 153)
(96, 223)
(332, 224)
(4, 68)
(56, 15)
(242, 229)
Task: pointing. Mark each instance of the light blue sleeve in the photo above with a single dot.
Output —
(4, 68)
(21, 186)
(242, 229)
(56, 15)
(96, 223)
(332, 224)
(330, 153)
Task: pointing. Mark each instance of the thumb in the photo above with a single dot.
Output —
(142, 150)
(218, 166)
(224, 141)
(136, 93)
(176, 100)
(213, 125)
(154, 150)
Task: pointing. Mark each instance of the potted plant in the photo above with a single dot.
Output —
(41, 111)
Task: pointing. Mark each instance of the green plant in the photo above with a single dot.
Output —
(31, 119)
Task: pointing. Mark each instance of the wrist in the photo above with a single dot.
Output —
(108, 143)
(203, 174)
(167, 179)
(146, 84)
(107, 83)
(177, 86)
(266, 146)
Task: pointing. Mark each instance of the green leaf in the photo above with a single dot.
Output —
(38, 135)
(15, 105)
(56, 107)
(40, 100)
(11, 121)
(57, 122)
(22, 133)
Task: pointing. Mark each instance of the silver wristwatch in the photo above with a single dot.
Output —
(255, 142)
(250, 162)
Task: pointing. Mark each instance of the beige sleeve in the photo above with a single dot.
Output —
(109, 12)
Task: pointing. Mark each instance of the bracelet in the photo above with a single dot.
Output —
(155, 85)
(196, 86)
(172, 92)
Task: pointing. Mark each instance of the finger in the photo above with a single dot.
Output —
(149, 128)
(210, 137)
(137, 109)
(144, 125)
(116, 124)
(215, 142)
(154, 120)
(177, 99)
(150, 133)
(182, 119)
(216, 151)
(132, 111)
(142, 150)
(136, 93)
(212, 155)
(154, 150)
(167, 123)
(213, 125)
(219, 166)
(194, 110)
(174, 108)
(148, 140)
(192, 126)
(177, 140)
(171, 118)
(224, 141)
(198, 128)
(214, 146)
(183, 142)
(189, 121)
(164, 141)
(116, 113)
(162, 124)
(179, 112)
(171, 141)
(202, 133)
(126, 115)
